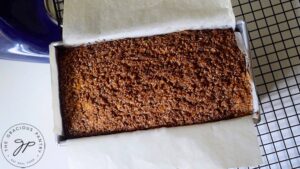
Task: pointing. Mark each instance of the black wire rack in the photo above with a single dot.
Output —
(273, 27)
(274, 31)
(59, 9)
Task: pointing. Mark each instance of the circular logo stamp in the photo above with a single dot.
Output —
(23, 145)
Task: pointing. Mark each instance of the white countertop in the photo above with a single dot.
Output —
(25, 97)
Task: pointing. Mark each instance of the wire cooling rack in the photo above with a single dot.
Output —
(274, 31)
(273, 28)
(59, 9)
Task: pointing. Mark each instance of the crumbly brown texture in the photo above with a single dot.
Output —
(181, 78)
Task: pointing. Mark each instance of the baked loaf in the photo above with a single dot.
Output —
(176, 79)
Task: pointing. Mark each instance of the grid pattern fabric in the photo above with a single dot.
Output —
(274, 33)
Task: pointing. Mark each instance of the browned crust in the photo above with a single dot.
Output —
(175, 79)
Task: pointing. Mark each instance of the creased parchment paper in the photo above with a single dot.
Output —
(224, 144)
(217, 145)
(90, 20)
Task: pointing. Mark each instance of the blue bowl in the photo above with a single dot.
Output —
(26, 23)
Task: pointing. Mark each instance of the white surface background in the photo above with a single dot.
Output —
(25, 97)
(279, 130)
